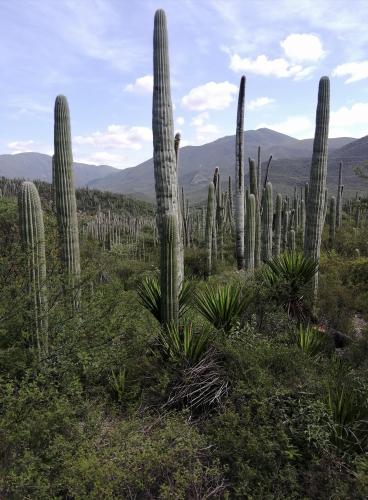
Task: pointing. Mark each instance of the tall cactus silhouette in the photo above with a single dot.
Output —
(254, 189)
(278, 225)
(210, 221)
(317, 182)
(169, 275)
(332, 222)
(267, 219)
(66, 205)
(164, 160)
(239, 177)
(340, 189)
(250, 231)
(302, 222)
(292, 240)
(33, 242)
(176, 148)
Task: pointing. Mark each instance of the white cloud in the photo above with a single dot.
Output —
(299, 126)
(205, 131)
(101, 158)
(21, 146)
(142, 85)
(262, 65)
(355, 71)
(260, 102)
(350, 122)
(180, 120)
(211, 95)
(302, 47)
(117, 136)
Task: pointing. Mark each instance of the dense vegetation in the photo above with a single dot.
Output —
(194, 354)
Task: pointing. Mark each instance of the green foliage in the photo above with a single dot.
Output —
(287, 276)
(310, 340)
(182, 344)
(149, 294)
(222, 306)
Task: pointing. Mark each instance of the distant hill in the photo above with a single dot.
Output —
(197, 163)
(38, 166)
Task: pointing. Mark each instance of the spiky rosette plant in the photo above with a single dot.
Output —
(317, 184)
(164, 160)
(66, 205)
(33, 242)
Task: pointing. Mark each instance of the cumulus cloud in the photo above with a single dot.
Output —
(299, 126)
(211, 95)
(303, 47)
(262, 65)
(180, 120)
(205, 131)
(117, 136)
(101, 158)
(142, 85)
(355, 71)
(350, 122)
(260, 102)
(21, 146)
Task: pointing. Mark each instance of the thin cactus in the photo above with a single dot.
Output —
(250, 231)
(278, 225)
(164, 160)
(253, 183)
(239, 177)
(66, 205)
(292, 240)
(210, 220)
(33, 242)
(267, 219)
(168, 271)
(332, 222)
(317, 183)
(285, 230)
(302, 222)
(340, 189)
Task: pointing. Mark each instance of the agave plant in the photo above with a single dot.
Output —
(222, 306)
(310, 340)
(149, 294)
(287, 276)
(182, 344)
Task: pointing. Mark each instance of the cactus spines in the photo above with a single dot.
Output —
(318, 174)
(33, 242)
(267, 219)
(169, 275)
(278, 225)
(210, 221)
(332, 221)
(164, 160)
(250, 231)
(66, 205)
(340, 189)
(239, 177)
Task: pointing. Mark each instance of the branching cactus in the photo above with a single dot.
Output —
(169, 274)
(332, 222)
(267, 219)
(210, 221)
(278, 225)
(66, 206)
(164, 160)
(340, 189)
(251, 231)
(318, 174)
(239, 177)
(33, 242)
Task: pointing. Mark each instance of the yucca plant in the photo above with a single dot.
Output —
(222, 306)
(181, 344)
(287, 276)
(149, 294)
(310, 340)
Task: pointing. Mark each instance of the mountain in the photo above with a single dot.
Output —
(38, 166)
(290, 164)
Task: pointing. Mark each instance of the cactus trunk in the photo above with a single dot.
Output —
(267, 219)
(278, 225)
(169, 275)
(239, 177)
(251, 231)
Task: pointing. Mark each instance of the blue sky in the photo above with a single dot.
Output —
(99, 54)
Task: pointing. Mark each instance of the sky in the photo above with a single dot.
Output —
(98, 53)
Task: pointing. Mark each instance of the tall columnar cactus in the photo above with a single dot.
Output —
(254, 189)
(66, 205)
(210, 221)
(278, 225)
(302, 222)
(340, 189)
(251, 231)
(176, 148)
(267, 219)
(318, 174)
(285, 230)
(292, 240)
(164, 160)
(239, 177)
(169, 275)
(332, 222)
(33, 242)
(306, 193)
